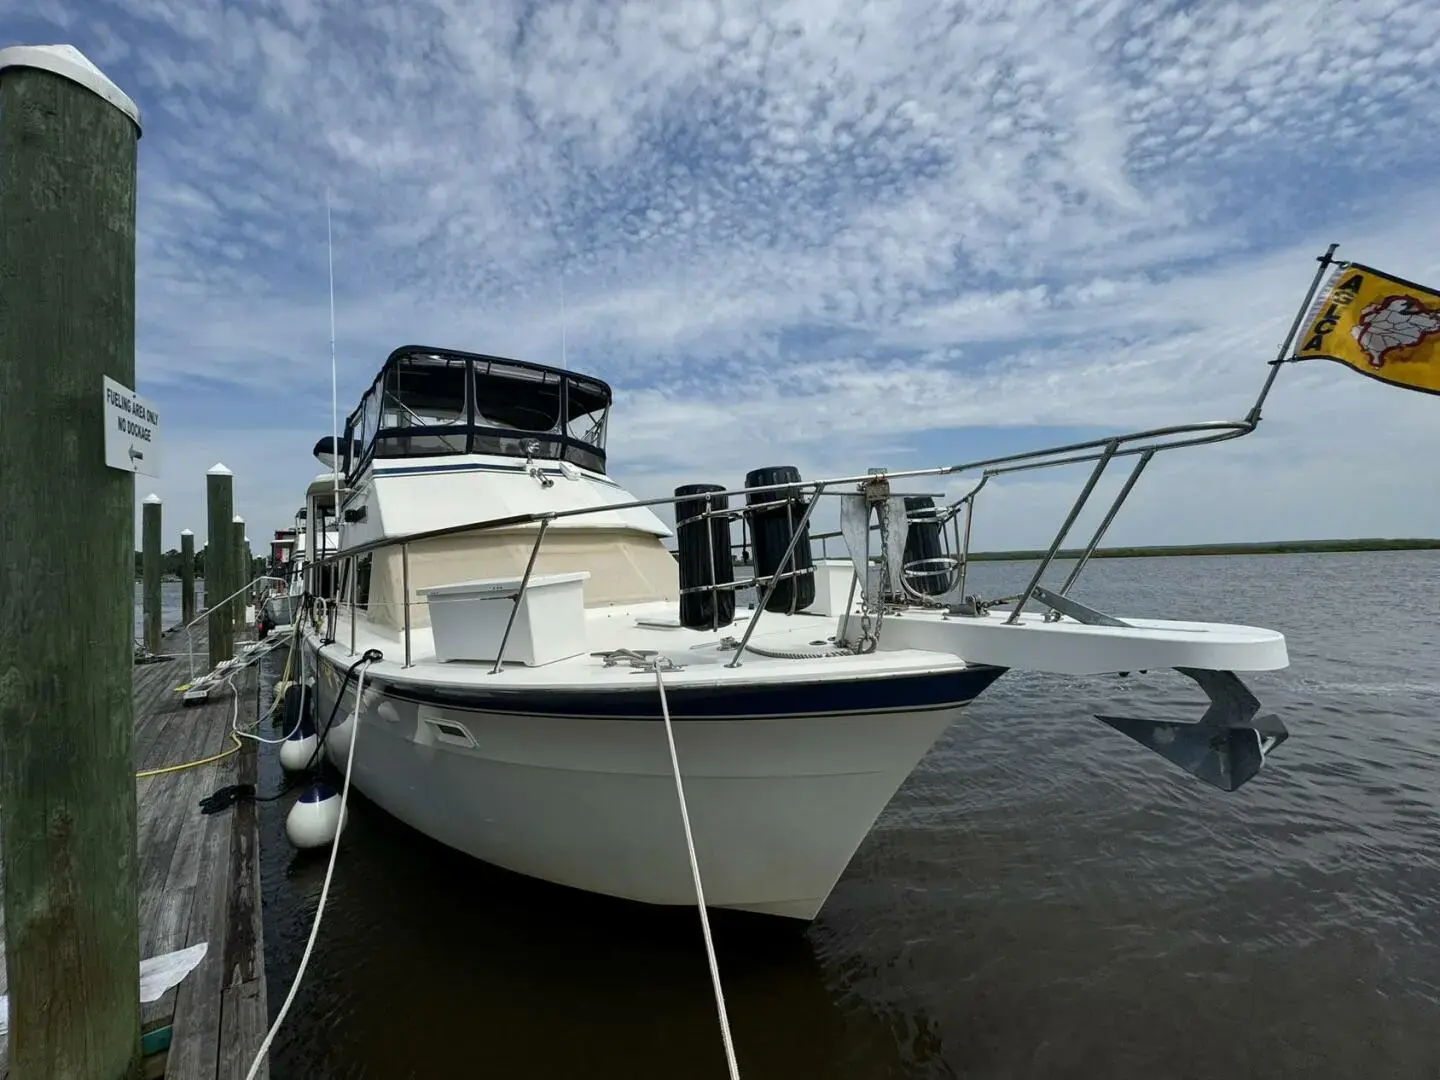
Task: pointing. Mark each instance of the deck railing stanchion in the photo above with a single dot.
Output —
(965, 544)
(405, 595)
(354, 566)
(1109, 517)
(1095, 473)
(710, 548)
(519, 596)
(774, 581)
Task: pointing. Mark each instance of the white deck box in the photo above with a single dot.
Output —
(832, 586)
(468, 618)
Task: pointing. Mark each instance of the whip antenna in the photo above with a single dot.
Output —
(334, 393)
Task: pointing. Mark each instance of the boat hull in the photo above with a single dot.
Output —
(778, 804)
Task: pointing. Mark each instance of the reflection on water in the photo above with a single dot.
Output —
(437, 965)
(1042, 898)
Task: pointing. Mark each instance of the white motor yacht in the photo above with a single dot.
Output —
(524, 629)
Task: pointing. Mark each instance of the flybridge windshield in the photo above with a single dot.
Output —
(436, 402)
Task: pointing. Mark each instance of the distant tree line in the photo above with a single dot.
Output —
(1277, 547)
(1274, 547)
(171, 562)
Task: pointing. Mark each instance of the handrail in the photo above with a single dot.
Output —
(189, 637)
(1101, 451)
(1220, 431)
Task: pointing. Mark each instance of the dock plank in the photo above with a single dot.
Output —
(198, 875)
(241, 920)
(242, 1028)
(195, 1040)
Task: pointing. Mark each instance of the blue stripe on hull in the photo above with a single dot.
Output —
(743, 701)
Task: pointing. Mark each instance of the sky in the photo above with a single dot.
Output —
(830, 234)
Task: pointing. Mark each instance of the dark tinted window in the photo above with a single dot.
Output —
(433, 404)
(517, 399)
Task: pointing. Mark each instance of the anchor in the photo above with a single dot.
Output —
(1228, 745)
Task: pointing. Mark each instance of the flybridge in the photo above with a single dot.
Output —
(429, 402)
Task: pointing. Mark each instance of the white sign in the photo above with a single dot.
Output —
(132, 431)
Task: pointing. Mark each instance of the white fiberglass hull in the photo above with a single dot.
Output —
(777, 805)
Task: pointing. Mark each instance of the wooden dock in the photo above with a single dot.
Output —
(198, 875)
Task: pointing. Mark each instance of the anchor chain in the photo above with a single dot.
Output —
(872, 615)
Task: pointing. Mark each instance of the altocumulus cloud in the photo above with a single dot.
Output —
(835, 234)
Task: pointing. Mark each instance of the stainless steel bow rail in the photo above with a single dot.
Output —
(1225, 748)
(876, 488)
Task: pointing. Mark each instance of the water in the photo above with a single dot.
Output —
(1041, 899)
(170, 606)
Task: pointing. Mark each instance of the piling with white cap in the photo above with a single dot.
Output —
(219, 560)
(67, 558)
(150, 567)
(242, 570)
(187, 576)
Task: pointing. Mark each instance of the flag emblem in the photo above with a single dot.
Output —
(1381, 326)
(1393, 326)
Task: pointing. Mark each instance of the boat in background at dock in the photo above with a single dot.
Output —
(281, 604)
(533, 655)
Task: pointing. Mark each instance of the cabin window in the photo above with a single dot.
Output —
(425, 391)
(362, 582)
(347, 456)
(589, 405)
(325, 577)
(370, 422)
(425, 407)
(358, 569)
(512, 398)
(521, 412)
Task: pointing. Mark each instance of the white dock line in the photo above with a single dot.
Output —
(324, 889)
(695, 873)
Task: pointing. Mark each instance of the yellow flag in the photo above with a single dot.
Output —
(1381, 326)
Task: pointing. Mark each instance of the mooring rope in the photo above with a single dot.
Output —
(324, 888)
(279, 702)
(695, 873)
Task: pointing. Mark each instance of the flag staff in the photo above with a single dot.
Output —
(1326, 261)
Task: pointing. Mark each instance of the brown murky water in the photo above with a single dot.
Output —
(1041, 899)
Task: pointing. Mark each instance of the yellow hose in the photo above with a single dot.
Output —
(284, 678)
(194, 764)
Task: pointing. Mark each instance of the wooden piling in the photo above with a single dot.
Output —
(219, 496)
(198, 875)
(67, 569)
(187, 577)
(150, 566)
(250, 573)
(242, 572)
